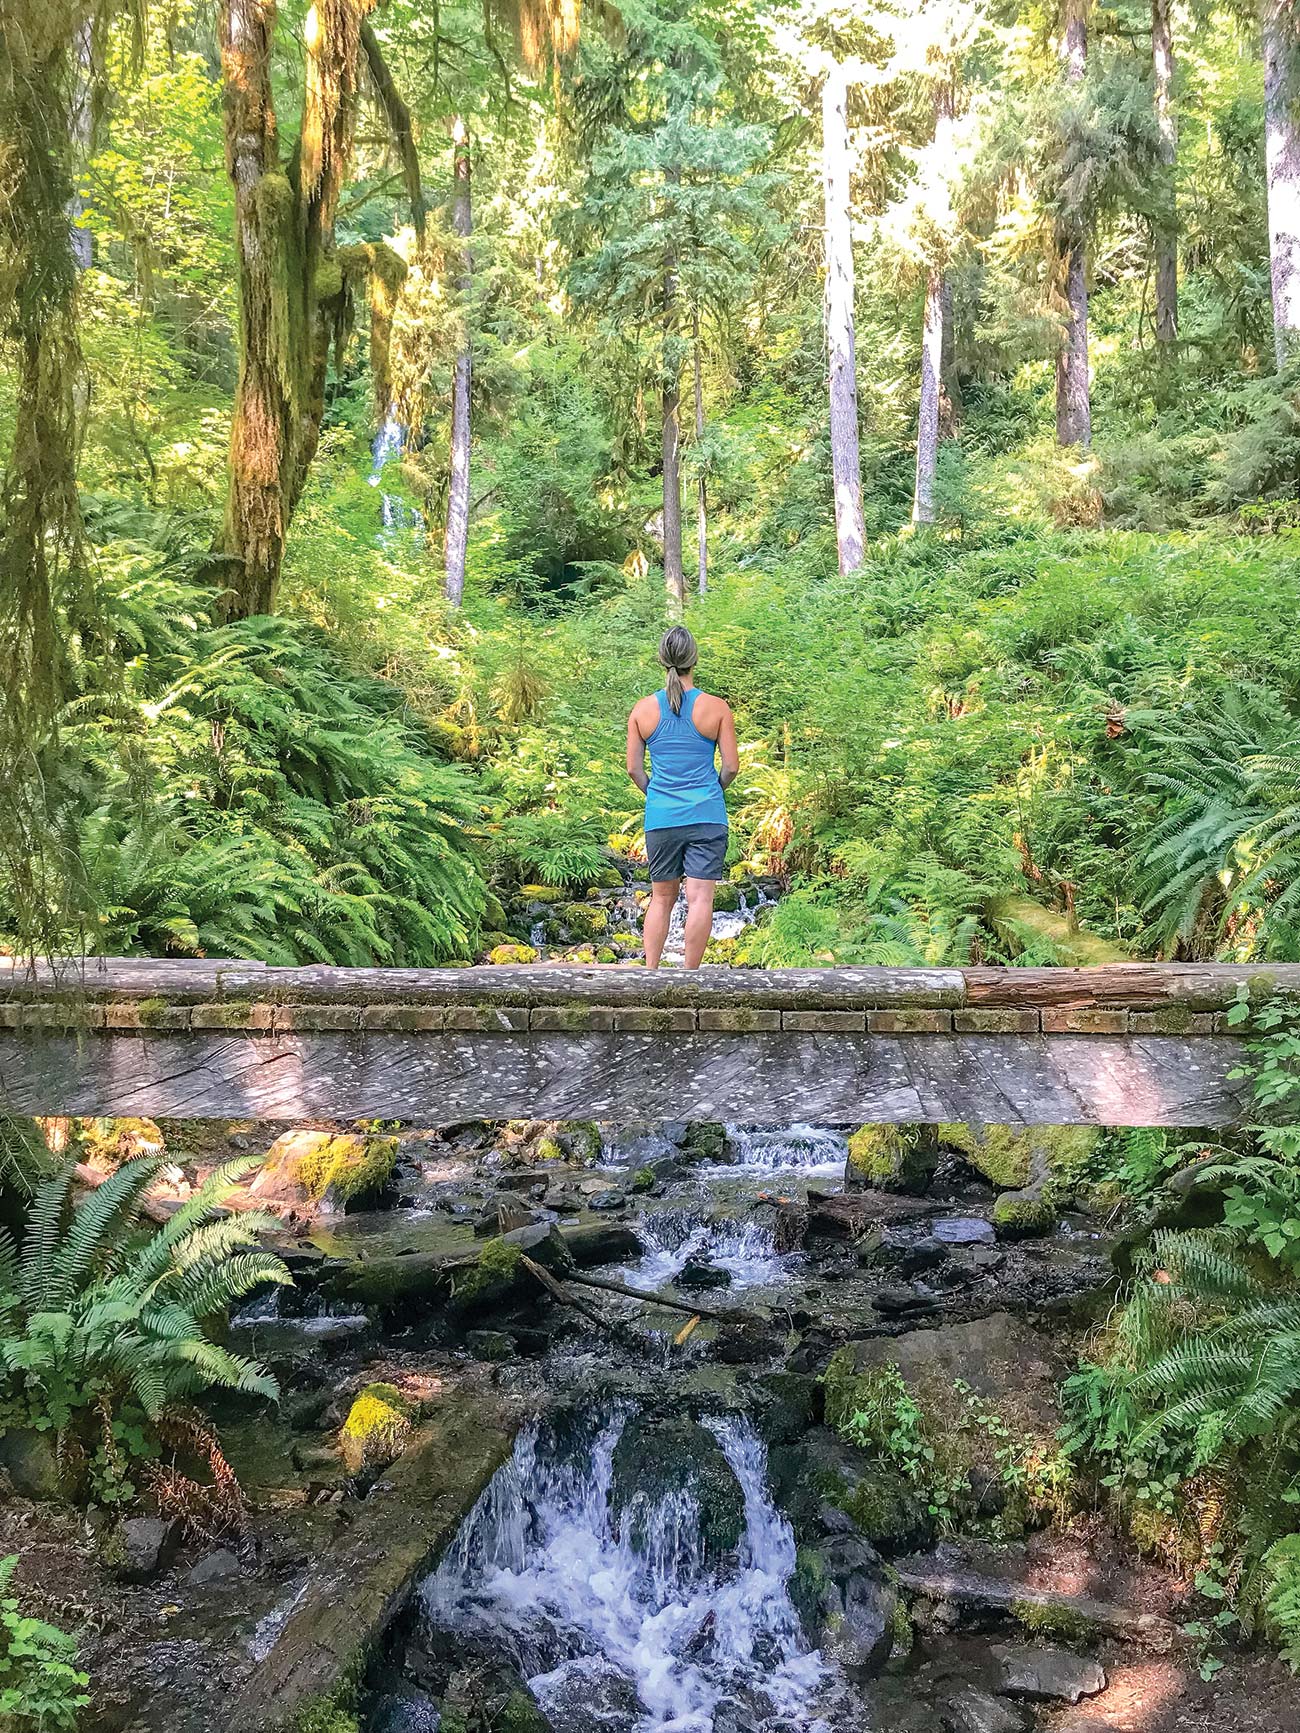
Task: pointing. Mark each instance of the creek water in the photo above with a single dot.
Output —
(619, 1620)
(394, 512)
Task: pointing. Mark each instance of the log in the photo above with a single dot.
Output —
(736, 1314)
(150, 1208)
(559, 1292)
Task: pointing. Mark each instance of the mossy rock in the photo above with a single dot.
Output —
(377, 1430)
(721, 951)
(581, 954)
(492, 941)
(644, 1179)
(512, 953)
(543, 893)
(706, 1140)
(326, 1718)
(106, 1143)
(1053, 1623)
(893, 1157)
(609, 879)
(326, 1171)
(1023, 1215)
(726, 897)
(491, 1279)
(1010, 1158)
(549, 1149)
(657, 1455)
(584, 920)
(583, 1140)
(494, 915)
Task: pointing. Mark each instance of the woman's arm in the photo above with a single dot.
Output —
(636, 754)
(727, 748)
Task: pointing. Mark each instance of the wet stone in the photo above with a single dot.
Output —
(1048, 1675)
(963, 1231)
(214, 1567)
(926, 1254)
(697, 1274)
(971, 1710)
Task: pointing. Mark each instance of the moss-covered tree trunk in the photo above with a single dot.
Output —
(456, 539)
(701, 491)
(674, 574)
(291, 287)
(1073, 402)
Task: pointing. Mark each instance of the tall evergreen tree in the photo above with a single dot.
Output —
(841, 336)
(1166, 222)
(1281, 31)
(1073, 397)
(456, 539)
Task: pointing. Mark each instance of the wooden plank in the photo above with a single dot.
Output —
(764, 1079)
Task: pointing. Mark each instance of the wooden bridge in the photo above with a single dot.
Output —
(1124, 1044)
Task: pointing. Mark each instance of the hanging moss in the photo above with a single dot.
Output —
(894, 1157)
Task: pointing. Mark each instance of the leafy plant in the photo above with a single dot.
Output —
(40, 1686)
(104, 1322)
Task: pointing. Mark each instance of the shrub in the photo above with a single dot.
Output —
(40, 1686)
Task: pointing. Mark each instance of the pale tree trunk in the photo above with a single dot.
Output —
(456, 540)
(846, 467)
(701, 494)
(1166, 233)
(1073, 405)
(1282, 151)
(83, 249)
(674, 575)
(927, 432)
(934, 341)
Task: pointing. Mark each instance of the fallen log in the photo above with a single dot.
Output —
(735, 1315)
(151, 1209)
(560, 1293)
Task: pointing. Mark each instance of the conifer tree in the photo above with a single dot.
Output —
(1166, 223)
(1073, 397)
(456, 539)
(1281, 31)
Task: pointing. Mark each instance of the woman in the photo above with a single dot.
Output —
(685, 730)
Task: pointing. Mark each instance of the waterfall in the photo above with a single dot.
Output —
(394, 512)
(672, 1237)
(621, 1624)
(727, 923)
(804, 1149)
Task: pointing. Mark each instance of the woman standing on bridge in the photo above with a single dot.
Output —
(685, 731)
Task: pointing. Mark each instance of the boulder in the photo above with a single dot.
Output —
(213, 1567)
(1011, 1157)
(321, 1173)
(403, 1712)
(608, 1202)
(706, 1141)
(594, 1243)
(971, 1710)
(858, 1605)
(697, 1274)
(144, 1547)
(31, 1460)
(921, 1255)
(377, 1430)
(891, 1158)
(963, 1231)
(661, 1455)
(1023, 1215)
(1048, 1675)
(591, 1695)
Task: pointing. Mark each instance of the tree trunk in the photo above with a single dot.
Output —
(83, 249)
(850, 530)
(1073, 406)
(1282, 151)
(290, 283)
(674, 575)
(938, 309)
(1166, 234)
(701, 495)
(927, 433)
(457, 537)
(949, 383)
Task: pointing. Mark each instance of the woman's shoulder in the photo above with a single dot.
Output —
(646, 709)
(709, 704)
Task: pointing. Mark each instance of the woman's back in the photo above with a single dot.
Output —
(684, 785)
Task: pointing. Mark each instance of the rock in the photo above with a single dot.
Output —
(563, 1200)
(697, 1274)
(145, 1546)
(409, 1712)
(542, 1242)
(1046, 1675)
(1012, 1157)
(891, 1158)
(963, 1231)
(1022, 1215)
(971, 1710)
(895, 1302)
(926, 1254)
(377, 1430)
(662, 1454)
(213, 1567)
(599, 1243)
(491, 1345)
(706, 1141)
(590, 1695)
(858, 1606)
(985, 1258)
(31, 1460)
(321, 1173)
(607, 1202)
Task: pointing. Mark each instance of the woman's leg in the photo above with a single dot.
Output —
(663, 899)
(699, 919)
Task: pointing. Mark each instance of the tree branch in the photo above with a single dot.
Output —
(399, 122)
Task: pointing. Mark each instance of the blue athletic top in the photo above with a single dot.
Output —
(684, 785)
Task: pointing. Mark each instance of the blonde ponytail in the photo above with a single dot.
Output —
(678, 654)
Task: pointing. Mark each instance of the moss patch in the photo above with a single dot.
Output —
(377, 1429)
(894, 1157)
(1008, 1158)
(491, 1277)
(348, 1166)
(1022, 1215)
(512, 954)
(1054, 1623)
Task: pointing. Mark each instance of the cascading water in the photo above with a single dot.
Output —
(727, 923)
(394, 512)
(672, 1238)
(812, 1151)
(620, 1623)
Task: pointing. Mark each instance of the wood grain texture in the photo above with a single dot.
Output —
(761, 1078)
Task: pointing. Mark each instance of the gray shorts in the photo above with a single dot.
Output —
(686, 851)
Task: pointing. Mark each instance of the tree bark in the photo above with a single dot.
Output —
(846, 468)
(701, 492)
(1166, 233)
(934, 340)
(1282, 152)
(456, 539)
(927, 433)
(1073, 404)
(674, 574)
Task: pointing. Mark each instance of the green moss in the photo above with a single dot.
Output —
(903, 1634)
(549, 1149)
(706, 1140)
(604, 954)
(329, 279)
(1023, 1215)
(643, 1179)
(325, 1718)
(377, 1429)
(494, 915)
(492, 940)
(1057, 1624)
(493, 1273)
(348, 1166)
(727, 898)
(583, 1138)
(519, 1714)
(512, 953)
(1008, 1157)
(275, 198)
(894, 1157)
(542, 894)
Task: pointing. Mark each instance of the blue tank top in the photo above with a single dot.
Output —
(684, 786)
